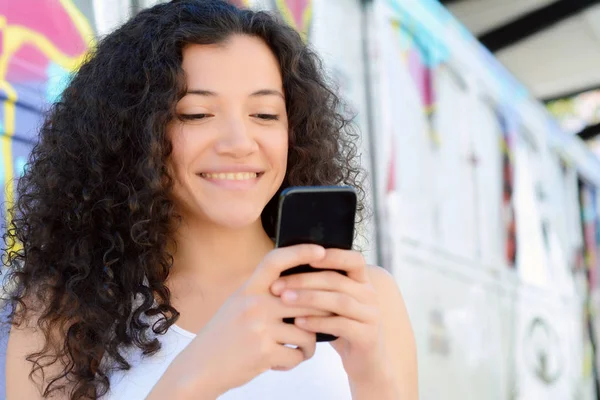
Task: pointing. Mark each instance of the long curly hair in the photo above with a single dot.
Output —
(93, 217)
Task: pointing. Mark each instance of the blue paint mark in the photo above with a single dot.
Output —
(2, 169)
(418, 22)
(20, 165)
(58, 80)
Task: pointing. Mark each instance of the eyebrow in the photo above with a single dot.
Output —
(268, 92)
(258, 93)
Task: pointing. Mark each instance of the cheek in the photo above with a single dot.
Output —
(283, 151)
(279, 156)
(281, 147)
(275, 149)
(177, 159)
(187, 143)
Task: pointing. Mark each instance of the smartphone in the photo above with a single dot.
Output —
(322, 215)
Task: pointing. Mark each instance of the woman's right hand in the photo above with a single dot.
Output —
(247, 335)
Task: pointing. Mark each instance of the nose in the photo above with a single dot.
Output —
(235, 139)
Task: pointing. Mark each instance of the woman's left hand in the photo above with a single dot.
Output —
(357, 315)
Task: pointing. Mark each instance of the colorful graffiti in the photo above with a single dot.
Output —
(415, 55)
(418, 56)
(297, 13)
(41, 42)
(425, 56)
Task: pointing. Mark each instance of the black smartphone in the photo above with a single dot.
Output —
(322, 215)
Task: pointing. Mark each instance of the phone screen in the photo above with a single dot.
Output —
(319, 216)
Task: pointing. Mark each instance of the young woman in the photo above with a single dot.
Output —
(146, 217)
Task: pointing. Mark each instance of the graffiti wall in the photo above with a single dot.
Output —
(38, 50)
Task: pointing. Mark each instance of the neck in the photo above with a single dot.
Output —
(214, 254)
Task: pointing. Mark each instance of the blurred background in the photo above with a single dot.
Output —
(479, 123)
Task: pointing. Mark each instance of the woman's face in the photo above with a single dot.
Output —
(230, 141)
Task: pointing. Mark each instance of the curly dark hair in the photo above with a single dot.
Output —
(93, 216)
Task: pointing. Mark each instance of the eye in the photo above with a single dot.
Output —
(192, 117)
(267, 117)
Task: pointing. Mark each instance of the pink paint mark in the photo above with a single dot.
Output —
(428, 88)
(48, 18)
(391, 175)
(422, 76)
(237, 3)
(27, 64)
(297, 9)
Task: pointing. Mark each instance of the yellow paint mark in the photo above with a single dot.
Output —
(307, 16)
(588, 361)
(6, 150)
(507, 150)
(435, 137)
(14, 38)
(17, 36)
(569, 162)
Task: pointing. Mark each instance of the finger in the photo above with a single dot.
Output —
(357, 333)
(324, 280)
(286, 311)
(284, 358)
(287, 334)
(337, 303)
(350, 261)
(279, 260)
(278, 309)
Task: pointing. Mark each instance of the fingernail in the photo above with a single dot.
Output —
(290, 295)
(278, 286)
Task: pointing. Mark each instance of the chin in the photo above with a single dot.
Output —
(234, 220)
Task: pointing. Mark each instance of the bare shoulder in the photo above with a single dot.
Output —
(397, 329)
(390, 298)
(24, 340)
(387, 290)
(382, 280)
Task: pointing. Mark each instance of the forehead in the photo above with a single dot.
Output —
(241, 61)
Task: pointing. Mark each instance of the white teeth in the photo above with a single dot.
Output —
(232, 176)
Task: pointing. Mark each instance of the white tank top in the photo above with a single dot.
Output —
(319, 378)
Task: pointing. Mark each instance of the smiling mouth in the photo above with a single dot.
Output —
(231, 176)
